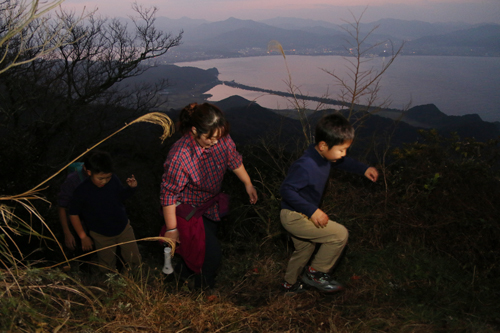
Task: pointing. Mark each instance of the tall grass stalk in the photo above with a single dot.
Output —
(300, 105)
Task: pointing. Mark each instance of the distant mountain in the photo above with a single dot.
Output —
(180, 79)
(213, 30)
(236, 38)
(299, 33)
(289, 39)
(470, 125)
(323, 31)
(481, 40)
(409, 30)
(293, 23)
(397, 29)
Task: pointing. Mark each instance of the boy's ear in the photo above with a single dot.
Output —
(193, 129)
(88, 172)
(322, 146)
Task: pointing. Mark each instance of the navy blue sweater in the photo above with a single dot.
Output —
(305, 183)
(101, 208)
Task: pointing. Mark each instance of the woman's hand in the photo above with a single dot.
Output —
(171, 223)
(242, 175)
(252, 193)
(173, 235)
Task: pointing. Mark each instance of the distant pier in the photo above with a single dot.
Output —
(323, 100)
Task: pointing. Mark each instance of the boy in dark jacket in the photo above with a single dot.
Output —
(302, 191)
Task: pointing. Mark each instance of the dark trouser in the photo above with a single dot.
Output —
(213, 257)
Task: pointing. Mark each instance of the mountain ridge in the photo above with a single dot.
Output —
(236, 38)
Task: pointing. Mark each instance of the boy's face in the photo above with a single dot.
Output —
(334, 153)
(100, 179)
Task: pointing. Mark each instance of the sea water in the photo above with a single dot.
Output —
(456, 85)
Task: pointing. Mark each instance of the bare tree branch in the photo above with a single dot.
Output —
(359, 92)
(21, 23)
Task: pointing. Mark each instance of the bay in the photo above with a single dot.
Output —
(456, 85)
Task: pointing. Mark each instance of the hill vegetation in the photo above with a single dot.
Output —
(422, 254)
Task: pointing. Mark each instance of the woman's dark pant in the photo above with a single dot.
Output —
(213, 257)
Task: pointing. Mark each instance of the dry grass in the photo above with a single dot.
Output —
(247, 299)
(396, 279)
(36, 293)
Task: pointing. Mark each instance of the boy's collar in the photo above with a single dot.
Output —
(316, 154)
(318, 151)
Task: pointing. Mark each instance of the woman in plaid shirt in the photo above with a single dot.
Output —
(194, 170)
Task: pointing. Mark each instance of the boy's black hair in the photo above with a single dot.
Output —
(334, 129)
(99, 161)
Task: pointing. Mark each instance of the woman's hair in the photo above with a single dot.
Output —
(334, 129)
(99, 161)
(206, 118)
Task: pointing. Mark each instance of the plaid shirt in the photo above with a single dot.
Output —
(194, 175)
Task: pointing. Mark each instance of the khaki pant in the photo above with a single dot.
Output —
(305, 236)
(107, 257)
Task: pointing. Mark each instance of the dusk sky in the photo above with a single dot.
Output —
(469, 11)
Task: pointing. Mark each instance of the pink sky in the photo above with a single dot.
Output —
(471, 11)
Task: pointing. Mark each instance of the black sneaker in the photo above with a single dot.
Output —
(321, 281)
(296, 288)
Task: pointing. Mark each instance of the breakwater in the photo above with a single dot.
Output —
(323, 100)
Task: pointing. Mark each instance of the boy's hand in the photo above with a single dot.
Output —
(69, 240)
(319, 218)
(87, 243)
(131, 181)
(252, 193)
(372, 174)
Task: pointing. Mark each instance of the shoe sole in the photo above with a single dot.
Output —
(294, 292)
(314, 285)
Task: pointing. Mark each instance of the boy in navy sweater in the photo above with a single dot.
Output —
(98, 201)
(302, 191)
